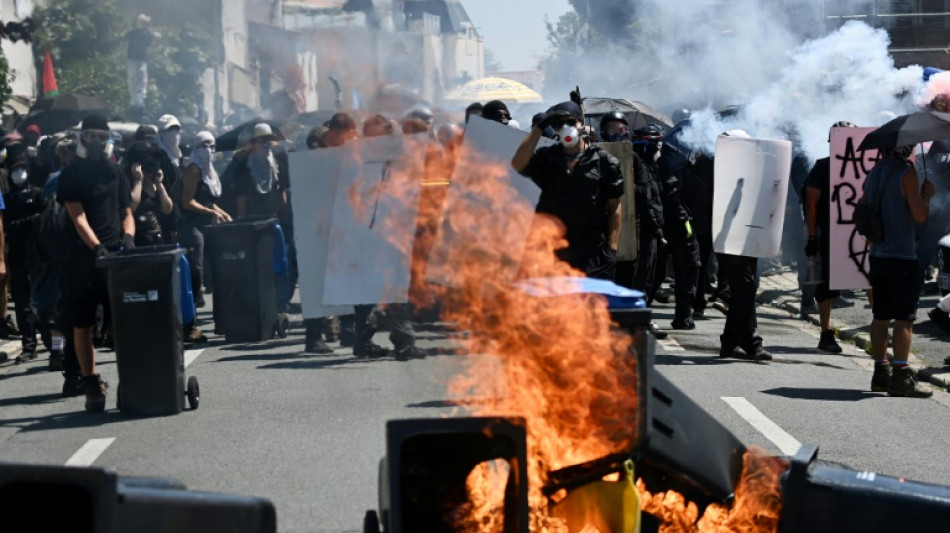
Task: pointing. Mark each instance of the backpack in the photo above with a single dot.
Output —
(55, 235)
(867, 217)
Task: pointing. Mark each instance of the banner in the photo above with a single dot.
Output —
(751, 186)
(374, 221)
(623, 151)
(496, 144)
(315, 175)
(848, 257)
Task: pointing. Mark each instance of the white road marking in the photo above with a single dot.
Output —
(89, 452)
(671, 345)
(785, 442)
(191, 355)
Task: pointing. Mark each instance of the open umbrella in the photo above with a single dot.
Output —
(639, 115)
(62, 112)
(239, 136)
(909, 130)
(487, 89)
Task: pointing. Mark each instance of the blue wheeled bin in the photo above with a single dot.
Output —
(242, 257)
(145, 297)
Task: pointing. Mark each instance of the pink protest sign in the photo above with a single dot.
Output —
(848, 257)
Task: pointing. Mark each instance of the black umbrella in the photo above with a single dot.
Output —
(907, 130)
(239, 136)
(62, 112)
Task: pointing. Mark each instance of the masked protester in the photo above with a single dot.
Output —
(261, 183)
(97, 198)
(497, 111)
(168, 142)
(24, 202)
(581, 185)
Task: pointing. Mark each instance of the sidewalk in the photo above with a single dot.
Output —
(781, 291)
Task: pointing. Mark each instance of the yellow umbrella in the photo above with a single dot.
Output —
(487, 89)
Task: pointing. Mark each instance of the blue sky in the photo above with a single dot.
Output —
(514, 29)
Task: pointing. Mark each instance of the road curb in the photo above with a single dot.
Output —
(935, 377)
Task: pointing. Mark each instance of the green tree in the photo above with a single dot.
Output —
(6, 77)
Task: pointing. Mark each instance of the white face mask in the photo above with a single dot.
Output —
(19, 176)
(569, 136)
(171, 138)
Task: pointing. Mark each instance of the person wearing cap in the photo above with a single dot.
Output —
(340, 129)
(261, 183)
(168, 143)
(497, 111)
(98, 199)
(139, 42)
(581, 186)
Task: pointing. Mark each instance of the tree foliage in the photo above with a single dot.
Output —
(86, 39)
(6, 77)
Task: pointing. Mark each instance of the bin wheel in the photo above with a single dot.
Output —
(371, 522)
(118, 397)
(193, 392)
(282, 327)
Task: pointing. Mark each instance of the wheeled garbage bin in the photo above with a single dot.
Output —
(241, 255)
(145, 296)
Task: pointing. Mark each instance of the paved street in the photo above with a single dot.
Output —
(308, 431)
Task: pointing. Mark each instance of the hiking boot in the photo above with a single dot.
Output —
(8, 327)
(317, 346)
(369, 350)
(683, 324)
(827, 342)
(663, 296)
(193, 335)
(95, 393)
(26, 356)
(881, 377)
(409, 352)
(732, 352)
(940, 318)
(758, 353)
(73, 385)
(721, 306)
(55, 361)
(903, 383)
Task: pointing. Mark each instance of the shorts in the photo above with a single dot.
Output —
(86, 288)
(896, 285)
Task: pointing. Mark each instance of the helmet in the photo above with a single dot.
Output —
(569, 107)
(648, 133)
(423, 113)
(680, 115)
(613, 116)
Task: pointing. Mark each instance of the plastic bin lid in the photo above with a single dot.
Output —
(617, 297)
(142, 254)
(252, 222)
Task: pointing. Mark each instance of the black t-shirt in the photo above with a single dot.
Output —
(139, 41)
(103, 192)
(23, 207)
(578, 198)
(820, 178)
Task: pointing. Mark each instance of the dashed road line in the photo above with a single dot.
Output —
(670, 345)
(191, 355)
(89, 452)
(785, 442)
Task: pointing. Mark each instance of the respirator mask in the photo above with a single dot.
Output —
(569, 135)
(19, 176)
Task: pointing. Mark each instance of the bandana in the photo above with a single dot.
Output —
(263, 167)
(201, 156)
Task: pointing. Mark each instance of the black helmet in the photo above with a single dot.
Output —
(648, 133)
(680, 115)
(612, 116)
(570, 107)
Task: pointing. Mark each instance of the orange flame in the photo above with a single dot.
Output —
(757, 507)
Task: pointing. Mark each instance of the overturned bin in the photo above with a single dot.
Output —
(145, 300)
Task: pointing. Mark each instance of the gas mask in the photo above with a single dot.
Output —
(569, 135)
(95, 145)
(617, 137)
(19, 176)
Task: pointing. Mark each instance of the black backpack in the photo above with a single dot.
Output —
(867, 217)
(55, 235)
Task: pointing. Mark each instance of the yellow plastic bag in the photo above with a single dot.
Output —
(602, 506)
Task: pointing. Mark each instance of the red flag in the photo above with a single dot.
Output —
(49, 77)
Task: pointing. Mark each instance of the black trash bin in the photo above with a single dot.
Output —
(145, 296)
(241, 254)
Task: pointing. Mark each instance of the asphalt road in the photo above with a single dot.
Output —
(308, 431)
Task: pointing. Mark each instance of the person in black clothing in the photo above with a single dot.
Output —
(681, 247)
(150, 201)
(261, 182)
(139, 41)
(167, 144)
(581, 186)
(818, 222)
(97, 198)
(24, 203)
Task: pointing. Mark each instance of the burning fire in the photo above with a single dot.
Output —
(557, 362)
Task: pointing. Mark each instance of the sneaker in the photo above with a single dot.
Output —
(96, 389)
(940, 318)
(657, 332)
(721, 306)
(903, 383)
(369, 350)
(73, 385)
(193, 335)
(683, 324)
(318, 347)
(26, 356)
(827, 342)
(409, 352)
(841, 303)
(881, 377)
(809, 307)
(55, 361)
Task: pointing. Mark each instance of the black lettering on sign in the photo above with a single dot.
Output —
(844, 194)
(858, 159)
